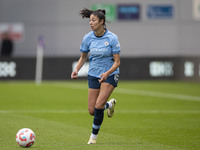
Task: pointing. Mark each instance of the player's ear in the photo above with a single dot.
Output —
(101, 21)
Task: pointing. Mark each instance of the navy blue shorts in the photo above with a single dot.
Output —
(93, 82)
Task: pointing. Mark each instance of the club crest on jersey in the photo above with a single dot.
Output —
(106, 43)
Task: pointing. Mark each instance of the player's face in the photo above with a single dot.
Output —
(95, 24)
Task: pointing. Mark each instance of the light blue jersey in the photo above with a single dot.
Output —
(101, 51)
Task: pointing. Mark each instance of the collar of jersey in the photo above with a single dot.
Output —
(102, 35)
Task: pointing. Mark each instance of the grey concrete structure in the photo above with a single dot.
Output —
(63, 29)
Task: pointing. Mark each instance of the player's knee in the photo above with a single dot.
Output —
(91, 111)
(100, 105)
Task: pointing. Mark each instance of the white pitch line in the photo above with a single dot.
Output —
(85, 111)
(158, 94)
(140, 93)
(159, 111)
(43, 111)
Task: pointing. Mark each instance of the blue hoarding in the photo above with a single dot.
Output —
(160, 11)
(128, 12)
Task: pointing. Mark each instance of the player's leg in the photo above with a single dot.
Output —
(112, 80)
(93, 92)
(105, 90)
(104, 93)
(92, 98)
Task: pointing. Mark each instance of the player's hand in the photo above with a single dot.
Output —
(74, 74)
(103, 77)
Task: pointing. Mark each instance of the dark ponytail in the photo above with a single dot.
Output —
(100, 13)
(85, 13)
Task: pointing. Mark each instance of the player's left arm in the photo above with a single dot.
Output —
(116, 64)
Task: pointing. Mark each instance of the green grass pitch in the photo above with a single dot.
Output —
(149, 115)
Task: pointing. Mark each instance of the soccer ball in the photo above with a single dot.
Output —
(25, 137)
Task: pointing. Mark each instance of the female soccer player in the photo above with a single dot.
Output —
(104, 62)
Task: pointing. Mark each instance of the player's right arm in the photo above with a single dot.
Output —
(80, 63)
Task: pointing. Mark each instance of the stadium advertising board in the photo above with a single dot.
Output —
(110, 10)
(160, 68)
(7, 69)
(160, 11)
(199, 69)
(189, 69)
(83, 72)
(11, 68)
(128, 11)
(157, 68)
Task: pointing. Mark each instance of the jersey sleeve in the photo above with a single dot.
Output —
(115, 45)
(84, 48)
